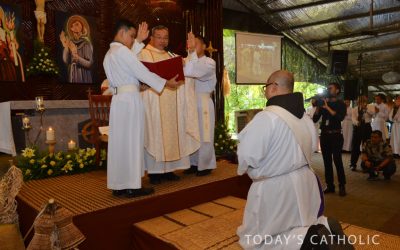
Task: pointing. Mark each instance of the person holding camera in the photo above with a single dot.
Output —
(333, 111)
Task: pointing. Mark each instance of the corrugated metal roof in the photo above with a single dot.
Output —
(320, 25)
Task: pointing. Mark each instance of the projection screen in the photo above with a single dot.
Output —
(257, 56)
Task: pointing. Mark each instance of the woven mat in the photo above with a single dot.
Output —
(364, 235)
(210, 225)
(213, 225)
(83, 193)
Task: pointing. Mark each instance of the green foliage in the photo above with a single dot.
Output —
(36, 164)
(244, 97)
(42, 63)
(223, 143)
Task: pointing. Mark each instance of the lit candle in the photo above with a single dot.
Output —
(50, 134)
(25, 122)
(71, 145)
(39, 103)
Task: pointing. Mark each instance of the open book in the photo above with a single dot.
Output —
(167, 69)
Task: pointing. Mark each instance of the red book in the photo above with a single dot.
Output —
(167, 69)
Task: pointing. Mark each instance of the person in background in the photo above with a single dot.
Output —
(361, 117)
(347, 126)
(394, 117)
(390, 105)
(333, 111)
(377, 156)
(381, 115)
(310, 112)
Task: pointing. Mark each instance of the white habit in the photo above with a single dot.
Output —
(125, 163)
(202, 70)
(285, 197)
(347, 126)
(310, 112)
(379, 121)
(172, 129)
(395, 135)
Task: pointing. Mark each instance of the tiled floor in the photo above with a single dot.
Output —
(374, 205)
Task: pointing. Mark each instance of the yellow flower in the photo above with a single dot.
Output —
(52, 163)
(32, 161)
(28, 152)
(49, 172)
(81, 165)
(44, 166)
(68, 156)
(28, 172)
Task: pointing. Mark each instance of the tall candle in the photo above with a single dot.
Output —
(50, 134)
(71, 145)
(25, 122)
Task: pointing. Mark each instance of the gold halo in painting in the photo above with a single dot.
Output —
(82, 20)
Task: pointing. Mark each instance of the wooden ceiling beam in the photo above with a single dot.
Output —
(346, 18)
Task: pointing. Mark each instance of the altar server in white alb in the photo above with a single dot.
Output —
(347, 126)
(285, 198)
(201, 69)
(125, 162)
(381, 115)
(395, 135)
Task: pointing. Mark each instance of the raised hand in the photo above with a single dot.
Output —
(191, 42)
(143, 32)
(64, 40)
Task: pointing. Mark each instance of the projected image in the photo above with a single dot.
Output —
(257, 57)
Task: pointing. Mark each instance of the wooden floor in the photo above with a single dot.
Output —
(84, 193)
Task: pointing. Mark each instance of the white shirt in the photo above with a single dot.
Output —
(368, 114)
(203, 71)
(122, 67)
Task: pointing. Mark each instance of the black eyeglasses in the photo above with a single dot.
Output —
(266, 85)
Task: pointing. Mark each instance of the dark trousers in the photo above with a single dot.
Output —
(331, 147)
(360, 135)
(387, 171)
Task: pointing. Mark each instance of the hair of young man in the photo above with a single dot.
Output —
(337, 86)
(202, 39)
(122, 24)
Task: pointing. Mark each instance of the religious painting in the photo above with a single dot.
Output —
(11, 66)
(76, 52)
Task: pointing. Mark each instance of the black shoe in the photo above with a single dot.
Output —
(155, 179)
(204, 172)
(342, 190)
(191, 170)
(171, 176)
(130, 193)
(329, 190)
(118, 193)
(353, 167)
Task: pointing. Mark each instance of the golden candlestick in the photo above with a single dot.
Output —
(51, 145)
